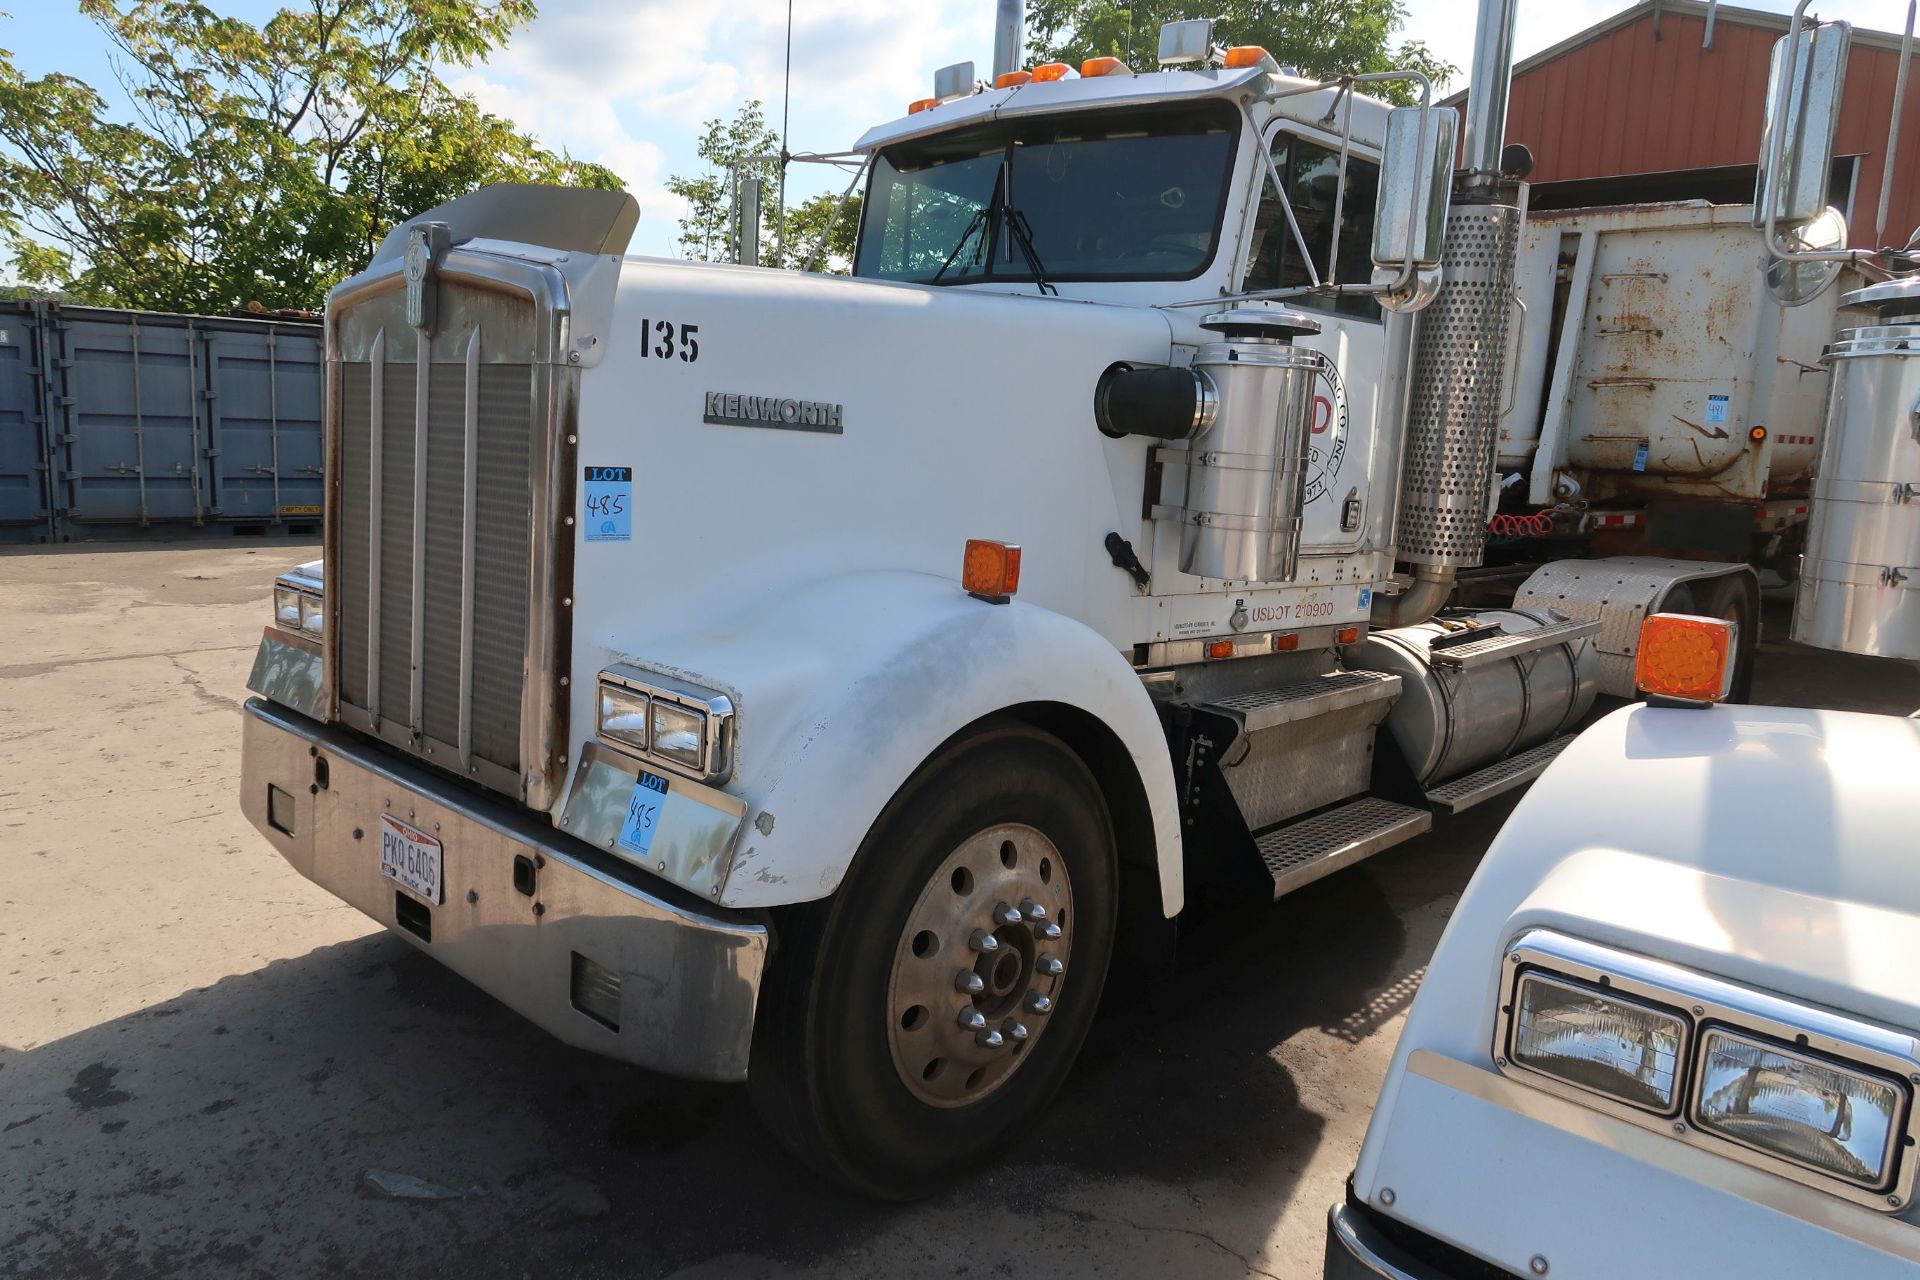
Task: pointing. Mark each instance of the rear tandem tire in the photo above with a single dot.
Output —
(827, 1075)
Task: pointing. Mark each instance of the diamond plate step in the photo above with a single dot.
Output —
(1497, 779)
(1305, 699)
(1476, 653)
(1302, 852)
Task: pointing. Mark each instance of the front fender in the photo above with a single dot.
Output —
(861, 678)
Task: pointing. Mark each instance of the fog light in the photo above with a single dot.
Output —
(1836, 1120)
(280, 810)
(1598, 1040)
(596, 991)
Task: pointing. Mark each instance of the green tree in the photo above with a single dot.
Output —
(263, 162)
(1321, 38)
(808, 221)
(706, 228)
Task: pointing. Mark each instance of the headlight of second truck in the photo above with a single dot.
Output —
(1804, 1092)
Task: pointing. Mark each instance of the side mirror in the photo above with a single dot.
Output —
(1804, 88)
(1410, 215)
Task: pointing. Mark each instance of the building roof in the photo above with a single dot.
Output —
(1658, 9)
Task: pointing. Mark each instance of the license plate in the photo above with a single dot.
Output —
(410, 858)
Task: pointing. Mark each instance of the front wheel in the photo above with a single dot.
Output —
(913, 1024)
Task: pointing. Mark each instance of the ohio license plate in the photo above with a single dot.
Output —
(410, 858)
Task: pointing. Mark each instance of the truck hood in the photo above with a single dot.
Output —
(1771, 847)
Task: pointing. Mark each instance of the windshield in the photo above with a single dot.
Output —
(1110, 195)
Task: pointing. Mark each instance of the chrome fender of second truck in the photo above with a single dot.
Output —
(746, 530)
(1766, 847)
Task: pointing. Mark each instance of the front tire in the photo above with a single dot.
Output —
(914, 1023)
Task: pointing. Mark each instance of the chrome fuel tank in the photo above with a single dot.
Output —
(1860, 578)
(1453, 719)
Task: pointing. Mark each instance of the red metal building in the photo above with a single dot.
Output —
(1665, 101)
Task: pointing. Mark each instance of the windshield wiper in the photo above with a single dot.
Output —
(1022, 232)
(978, 222)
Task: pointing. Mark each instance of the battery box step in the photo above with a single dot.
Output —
(1496, 779)
(1301, 852)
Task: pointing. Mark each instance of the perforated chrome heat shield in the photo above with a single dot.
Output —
(1453, 414)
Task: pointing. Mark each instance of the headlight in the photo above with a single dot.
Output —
(313, 613)
(685, 729)
(1821, 1115)
(623, 716)
(286, 607)
(1598, 1040)
(678, 733)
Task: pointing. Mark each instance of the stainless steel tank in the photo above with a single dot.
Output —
(1247, 473)
(1860, 578)
(1459, 368)
(1451, 720)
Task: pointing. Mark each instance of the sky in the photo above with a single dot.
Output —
(627, 83)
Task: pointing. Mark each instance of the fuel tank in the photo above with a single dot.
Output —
(1452, 719)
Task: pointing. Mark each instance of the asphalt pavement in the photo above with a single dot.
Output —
(209, 1067)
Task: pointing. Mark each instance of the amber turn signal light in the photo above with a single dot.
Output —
(991, 570)
(1686, 658)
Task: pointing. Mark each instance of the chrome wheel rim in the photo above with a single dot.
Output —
(979, 964)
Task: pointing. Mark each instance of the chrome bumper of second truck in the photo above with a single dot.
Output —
(689, 972)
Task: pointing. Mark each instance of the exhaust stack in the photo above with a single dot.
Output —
(1460, 347)
(1009, 36)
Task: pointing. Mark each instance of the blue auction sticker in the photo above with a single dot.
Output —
(609, 504)
(643, 813)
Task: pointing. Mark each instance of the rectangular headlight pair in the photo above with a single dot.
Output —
(1732, 1062)
(299, 601)
(688, 730)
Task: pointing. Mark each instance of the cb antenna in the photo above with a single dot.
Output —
(786, 112)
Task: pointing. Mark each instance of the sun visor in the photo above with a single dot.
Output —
(569, 219)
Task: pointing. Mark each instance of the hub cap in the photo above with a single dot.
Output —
(979, 965)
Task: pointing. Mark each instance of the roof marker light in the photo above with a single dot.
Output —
(1012, 79)
(1250, 55)
(1047, 71)
(1104, 67)
(1686, 658)
(924, 104)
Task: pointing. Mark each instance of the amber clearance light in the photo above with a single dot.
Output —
(991, 570)
(1686, 658)
(1012, 79)
(1051, 71)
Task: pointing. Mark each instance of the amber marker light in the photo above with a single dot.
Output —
(991, 570)
(1685, 658)
(924, 104)
(1246, 55)
(1347, 635)
(1047, 71)
(1012, 79)
(1286, 642)
(1758, 435)
(1220, 649)
(1094, 67)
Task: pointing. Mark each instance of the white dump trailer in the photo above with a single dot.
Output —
(813, 680)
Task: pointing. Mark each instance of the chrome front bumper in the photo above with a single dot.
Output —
(1357, 1250)
(689, 972)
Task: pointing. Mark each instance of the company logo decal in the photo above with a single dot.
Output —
(1327, 444)
(725, 409)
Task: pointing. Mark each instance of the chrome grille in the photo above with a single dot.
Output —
(434, 536)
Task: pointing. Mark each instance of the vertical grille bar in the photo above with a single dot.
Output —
(471, 473)
(416, 629)
(375, 447)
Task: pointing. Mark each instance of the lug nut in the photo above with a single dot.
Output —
(1050, 965)
(990, 1039)
(1016, 1031)
(983, 942)
(968, 982)
(1004, 914)
(1050, 933)
(1032, 910)
(1037, 1003)
(972, 1019)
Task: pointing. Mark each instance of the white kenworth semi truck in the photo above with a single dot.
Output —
(812, 680)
